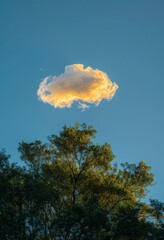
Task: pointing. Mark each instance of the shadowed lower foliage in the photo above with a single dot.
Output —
(70, 189)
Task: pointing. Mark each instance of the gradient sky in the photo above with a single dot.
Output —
(125, 39)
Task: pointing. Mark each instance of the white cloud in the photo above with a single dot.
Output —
(76, 84)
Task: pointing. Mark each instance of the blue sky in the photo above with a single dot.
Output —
(125, 39)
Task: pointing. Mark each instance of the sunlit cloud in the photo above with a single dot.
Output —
(77, 84)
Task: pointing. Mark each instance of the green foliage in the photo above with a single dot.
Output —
(71, 189)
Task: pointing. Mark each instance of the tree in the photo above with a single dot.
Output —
(71, 189)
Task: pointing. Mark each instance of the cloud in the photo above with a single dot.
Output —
(76, 84)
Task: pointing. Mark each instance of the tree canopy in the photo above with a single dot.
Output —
(70, 188)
